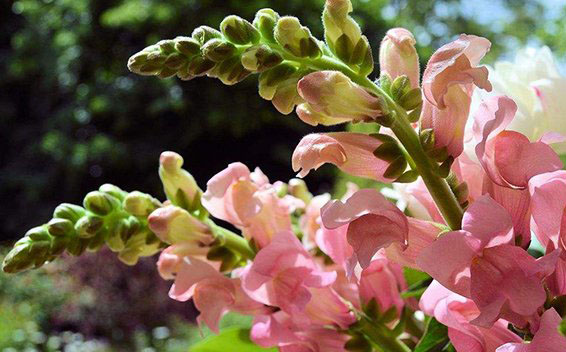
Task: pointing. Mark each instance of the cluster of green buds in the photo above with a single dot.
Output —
(393, 153)
(108, 216)
(400, 90)
(280, 49)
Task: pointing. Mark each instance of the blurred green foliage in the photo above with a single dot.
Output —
(74, 117)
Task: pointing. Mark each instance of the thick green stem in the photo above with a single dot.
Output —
(381, 337)
(234, 242)
(436, 185)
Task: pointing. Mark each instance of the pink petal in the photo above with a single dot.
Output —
(215, 196)
(213, 297)
(398, 56)
(191, 272)
(454, 63)
(335, 244)
(548, 194)
(421, 235)
(489, 222)
(351, 152)
(456, 249)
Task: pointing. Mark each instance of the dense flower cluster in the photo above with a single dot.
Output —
(322, 274)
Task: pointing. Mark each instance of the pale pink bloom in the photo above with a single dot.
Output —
(282, 273)
(314, 118)
(326, 308)
(547, 338)
(171, 258)
(456, 312)
(278, 330)
(213, 293)
(508, 157)
(419, 191)
(383, 281)
(398, 56)
(173, 225)
(351, 152)
(372, 223)
(448, 83)
(481, 262)
(333, 94)
(249, 202)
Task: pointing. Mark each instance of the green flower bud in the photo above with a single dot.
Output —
(400, 86)
(411, 99)
(167, 46)
(100, 203)
(187, 46)
(140, 204)
(69, 211)
(60, 227)
(137, 247)
(260, 58)
(38, 234)
(114, 191)
(239, 31)
(296, 39)
(199, 65)
(175, 61)
(18, 259)
(265, 21)
(270, 79)
(180, 186)
(77, 246)
(218, 50)
(231, 71)
(88, 226)
(427, 140)
(388, 151)
(203, 34)
(58, 246)
(396, 168)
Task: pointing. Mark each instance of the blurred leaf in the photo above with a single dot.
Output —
(435, 337)
(234, 340)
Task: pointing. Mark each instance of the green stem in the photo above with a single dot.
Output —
(437, 186)
(234, 242)
(380, 336)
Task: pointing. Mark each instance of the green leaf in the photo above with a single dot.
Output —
(234, 339)
(414, 276)
(434, 339)
(562, 328)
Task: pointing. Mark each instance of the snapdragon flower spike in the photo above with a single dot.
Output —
(481, 262)
(448, 83)
(456, 312)
(372, 223)
(110, 216)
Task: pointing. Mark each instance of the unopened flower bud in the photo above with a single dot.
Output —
(19, 258)
(270, 79)
(334, 94)
(239, 31)
(399, 87)
(203, 34)
(114, 191)
(180, 186)
(173, 224)
(231, 71)
(88, 226)
(140, 204)
(298, 189)
(398, 56)
(265, 21)
(218, 50)
(60, 227)
(167, 46)
(69, 211)
(187, 46)
(314, 118)
(199, 65)
(100, 203)
(411, 99)
(296, 39)
(260, 58)
(175, 61)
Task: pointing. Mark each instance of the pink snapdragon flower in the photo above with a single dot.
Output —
(370, 221)
(448, 82)
(248, 201)
(351, 152)
(547, 338)
(456, 312)
(279, 330)
(282, 274)
(213, 293)
(174, 225)
(481, 262)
